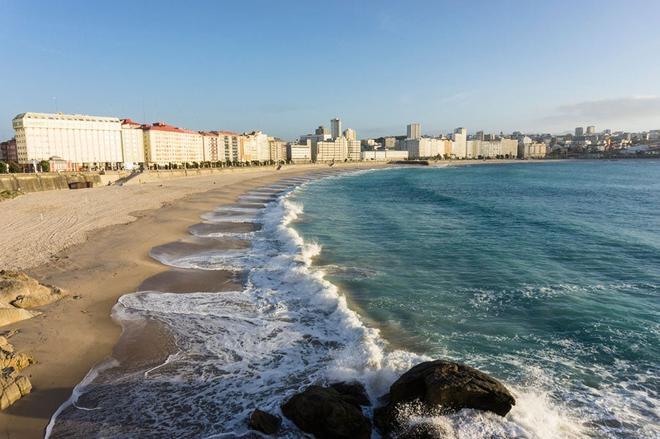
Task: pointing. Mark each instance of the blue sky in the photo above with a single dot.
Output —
(287, 66)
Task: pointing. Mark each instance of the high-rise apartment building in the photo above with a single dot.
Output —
(459, 143)
(231, 146)
(278, 150)
(213, 146)
(591, 130)
(414, 131)
(8, 152)
(335, 128)
(256, 147)
(579, 132)
(350, 134)
(82, 140)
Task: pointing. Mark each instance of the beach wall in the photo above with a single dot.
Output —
(45, 181)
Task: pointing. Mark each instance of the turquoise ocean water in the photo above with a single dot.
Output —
(544, 275)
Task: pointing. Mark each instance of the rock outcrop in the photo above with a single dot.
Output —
(327, 413)
(19, 291)
(12, 385)
(352, 390)
(264, 422)
(441, 386)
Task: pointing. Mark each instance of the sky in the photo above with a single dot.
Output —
(285, 67)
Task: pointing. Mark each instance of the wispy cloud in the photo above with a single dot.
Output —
(607, 110)
(456, 98)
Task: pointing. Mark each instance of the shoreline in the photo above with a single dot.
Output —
(72, 336)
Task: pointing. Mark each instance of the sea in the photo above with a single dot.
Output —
(544, 275)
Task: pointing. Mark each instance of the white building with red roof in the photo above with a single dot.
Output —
(165, 144)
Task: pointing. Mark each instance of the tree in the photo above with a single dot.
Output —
(14, 167)
(3, 168)
(44, 165)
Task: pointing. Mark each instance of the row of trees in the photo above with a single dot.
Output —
(15, 168)
(219, 164)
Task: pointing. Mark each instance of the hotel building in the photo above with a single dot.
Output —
(166, 144)
(90, 141)
(132, 143)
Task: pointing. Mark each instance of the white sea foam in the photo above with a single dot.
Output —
(234, 209)
(234, 235)
(224, 217)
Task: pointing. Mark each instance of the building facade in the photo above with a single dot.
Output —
(414, 131)
(335, 127)
(213, 146)
(132, 144)
(384, 155)
(85, 141)
(231, 146)
(8, 151)
(165, 144)
(532, 150)
(299, 152)
(424, 147)
(350, 134)
(331, 150)
(459, 143)
(278, 149)
(255, 147)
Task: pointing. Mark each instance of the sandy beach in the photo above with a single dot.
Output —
(95, 243)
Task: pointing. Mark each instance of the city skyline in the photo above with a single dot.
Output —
(529, 68)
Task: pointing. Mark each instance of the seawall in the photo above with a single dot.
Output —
(46, 181)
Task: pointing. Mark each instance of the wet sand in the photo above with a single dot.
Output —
(73, 335)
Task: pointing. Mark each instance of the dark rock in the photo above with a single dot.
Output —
(423, 431)
(264, 422)
(353, 390)
(442, 386)
(326, 413)
(453, 386)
